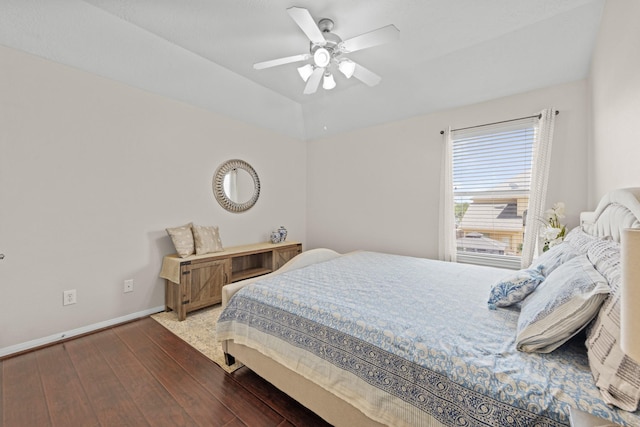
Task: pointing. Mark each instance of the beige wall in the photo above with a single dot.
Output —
(378, 188)
(614, 84)
(91, 173)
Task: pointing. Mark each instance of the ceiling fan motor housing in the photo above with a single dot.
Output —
(323, 53)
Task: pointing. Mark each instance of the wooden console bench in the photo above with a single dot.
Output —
(196, 281)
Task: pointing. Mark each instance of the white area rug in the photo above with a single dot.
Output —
(199, 331)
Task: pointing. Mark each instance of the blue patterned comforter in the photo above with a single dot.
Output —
(419, 330)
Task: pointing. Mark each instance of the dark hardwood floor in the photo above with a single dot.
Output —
(137, 374)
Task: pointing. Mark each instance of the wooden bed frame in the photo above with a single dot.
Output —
(601, 222)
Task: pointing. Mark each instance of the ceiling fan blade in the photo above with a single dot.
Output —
(281, 61)
(306, 23)
(367, 77)
(370, 39)
(314, 81)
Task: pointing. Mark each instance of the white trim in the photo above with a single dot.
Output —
(79, 331)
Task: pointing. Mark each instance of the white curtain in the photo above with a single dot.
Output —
(447, 238)
(539, 180)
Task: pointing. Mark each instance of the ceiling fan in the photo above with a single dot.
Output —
(327, 52)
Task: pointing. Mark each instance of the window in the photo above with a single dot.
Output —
(491, 172)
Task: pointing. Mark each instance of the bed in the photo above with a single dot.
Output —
(367, 338)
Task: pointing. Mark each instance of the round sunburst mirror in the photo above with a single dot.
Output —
(236, 185)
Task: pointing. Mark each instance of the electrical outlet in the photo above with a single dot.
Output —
(69, 297)
(128, 285)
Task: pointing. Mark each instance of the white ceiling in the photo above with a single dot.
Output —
(450, 52)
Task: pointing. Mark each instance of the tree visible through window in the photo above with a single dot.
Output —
(491, 187)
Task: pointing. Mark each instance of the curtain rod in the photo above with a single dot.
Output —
(497, 123)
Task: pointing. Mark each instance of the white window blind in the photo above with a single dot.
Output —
(491, 186)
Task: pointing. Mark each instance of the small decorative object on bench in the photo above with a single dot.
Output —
(283, 233)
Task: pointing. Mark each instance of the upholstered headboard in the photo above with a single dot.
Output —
(617, 210)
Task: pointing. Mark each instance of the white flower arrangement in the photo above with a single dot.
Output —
(554, 230)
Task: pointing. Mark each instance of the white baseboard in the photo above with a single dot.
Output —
(79, 331)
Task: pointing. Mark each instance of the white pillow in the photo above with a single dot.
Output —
(553, 258)
(567, 300)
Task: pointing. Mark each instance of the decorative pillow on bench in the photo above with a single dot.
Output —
(207, 239)
(182, 239)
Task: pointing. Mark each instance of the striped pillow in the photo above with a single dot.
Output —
(615, 373)
(580, 240)
(561, 306)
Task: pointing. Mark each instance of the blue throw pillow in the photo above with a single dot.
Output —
(515, 288)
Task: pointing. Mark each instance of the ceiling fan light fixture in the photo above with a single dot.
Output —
(326, 49)
(347, 67)
(305, 71)
(328, 82)
(321, 57)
